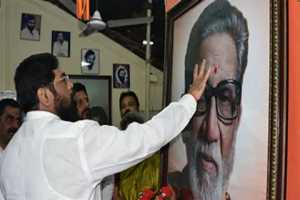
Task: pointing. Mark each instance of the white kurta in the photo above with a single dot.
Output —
(51, 159)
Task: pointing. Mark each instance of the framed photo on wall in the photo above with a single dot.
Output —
(121, 75)
(30, 27)
(99, 93)
(233, 147)
(61, 42)
(90, 61)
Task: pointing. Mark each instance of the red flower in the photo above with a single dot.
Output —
(164, 193)
(147, 194)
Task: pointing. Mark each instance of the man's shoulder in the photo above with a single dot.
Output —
(70, 129)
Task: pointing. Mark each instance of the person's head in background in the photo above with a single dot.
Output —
(98, 114)
(90, 58)
(42, 85)
(220, 35)
(10, 120)
(128, 102)
(130, 117)
(81, 100)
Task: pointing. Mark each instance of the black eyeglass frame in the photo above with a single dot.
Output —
(214, 92)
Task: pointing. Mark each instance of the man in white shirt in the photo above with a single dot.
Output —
(49, 158)
(10, 121)
(61, 46)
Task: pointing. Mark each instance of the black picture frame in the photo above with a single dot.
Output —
(61, 48)
(30, 27)
(121, 75)
(90, 66)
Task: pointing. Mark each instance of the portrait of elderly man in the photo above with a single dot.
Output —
(220, 36)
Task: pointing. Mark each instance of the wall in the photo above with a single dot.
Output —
(293, 158)
(13, 50)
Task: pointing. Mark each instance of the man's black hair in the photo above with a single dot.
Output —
(131, 94)
(219, 17)
(34, 72)
(7, 102)
(77, 87)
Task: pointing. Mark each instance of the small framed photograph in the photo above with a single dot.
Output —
(30, 27)
(90, 61)
(121, 75)
(61, 43)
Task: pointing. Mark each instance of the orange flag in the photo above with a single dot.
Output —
(83, 9)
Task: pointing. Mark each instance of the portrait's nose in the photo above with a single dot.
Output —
(212, 128)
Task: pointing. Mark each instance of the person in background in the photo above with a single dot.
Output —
(98, 114)
(10, 121)
(145, 175)
(67, 160)
(128, 102)
(81, 100)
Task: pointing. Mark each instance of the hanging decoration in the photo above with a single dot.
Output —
(83, 9)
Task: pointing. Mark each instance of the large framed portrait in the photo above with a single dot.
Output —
(30, 27)
(99, 93)
(61, 42)
(90, 61)
(233, 147)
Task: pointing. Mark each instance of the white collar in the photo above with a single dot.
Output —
(40, 114)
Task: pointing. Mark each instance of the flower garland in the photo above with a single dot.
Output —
(165, 193)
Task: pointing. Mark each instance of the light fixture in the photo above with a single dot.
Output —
(145, 42)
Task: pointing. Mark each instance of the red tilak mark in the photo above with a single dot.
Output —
(215, 68)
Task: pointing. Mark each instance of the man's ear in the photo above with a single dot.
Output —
(45, 98)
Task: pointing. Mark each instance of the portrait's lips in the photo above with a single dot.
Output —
(208, 164)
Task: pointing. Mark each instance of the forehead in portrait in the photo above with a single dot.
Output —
(218, 18)
(220, 36)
